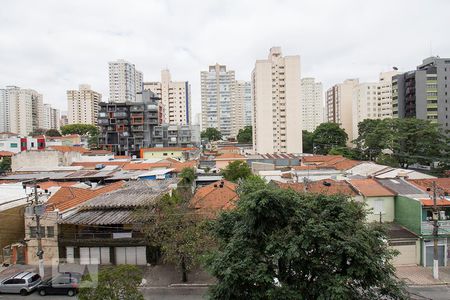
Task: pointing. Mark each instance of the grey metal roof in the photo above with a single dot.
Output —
(400, 186)
(124, 175)
(37, 175)
(100, 217)
(396, 231)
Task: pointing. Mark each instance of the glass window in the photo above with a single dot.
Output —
(50, 231)
(13, 145)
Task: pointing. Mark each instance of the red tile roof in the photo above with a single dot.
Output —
(48, 184)
(430, 202)
(70, 197)
(371, 188)
(6, 153)
(320, 158)
(69, 136)
(226, 156)
(92, 164)
(320, 187)
(69, 149)
(213, 198)
(424, 184)
(336, 162)
(165, 149)
(308, 167)
(145, 166)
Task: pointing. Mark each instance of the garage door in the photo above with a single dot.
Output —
(131, 255)
(407, 255)
(430, 255)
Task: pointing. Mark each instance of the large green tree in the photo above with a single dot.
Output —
(178, 231)
(52, 132)
(373, 137)
(81, 129)
(236, 170)
(245, 135)
(307, 139)
(279, 244)
(212, 134)
(114, 283)
(327, 136)
(5, 164)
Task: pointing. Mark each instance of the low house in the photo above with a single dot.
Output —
(223, 160)
(213, 198)
(178, 153)
(406, 242)
(65, 140)
(44, 159)
(102, 230)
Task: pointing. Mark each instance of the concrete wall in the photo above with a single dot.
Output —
(388, 206)
(11, 227)
(49, 244)
(44, 159)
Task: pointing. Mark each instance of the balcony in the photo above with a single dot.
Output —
(137, 128)
(136, 108)
(120, 115)
(444, 227)
(94, 238)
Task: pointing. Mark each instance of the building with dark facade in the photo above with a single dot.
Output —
(424, 93)
(126, 127)
(176, 135)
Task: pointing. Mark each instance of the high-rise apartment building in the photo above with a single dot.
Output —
(83, 105)
(51, 117)
(385, 94)
(241, 107)
(424, 93)
(124, 81)
(277, 124)
(63, 121)
(364, 105)
(217, 88)
(175, 97)
(312, 103)
(339, 103)
(22, 110)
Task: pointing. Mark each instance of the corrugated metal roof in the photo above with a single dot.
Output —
(37, 175)
(100, 217)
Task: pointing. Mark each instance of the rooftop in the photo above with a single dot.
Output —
(69, 149)
(400, 186)
(214, 197)
(325, 186)
(371, 188)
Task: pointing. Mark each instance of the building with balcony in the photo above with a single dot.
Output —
(166, 135)
(126, 127)
(83, 105)
(124, 81)
(312, 103)
(424, 93)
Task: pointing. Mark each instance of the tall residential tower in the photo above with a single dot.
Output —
(124, 81)
(83, 105)
(312, 104)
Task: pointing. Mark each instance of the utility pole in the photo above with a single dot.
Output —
(435, 233)
(40, 252)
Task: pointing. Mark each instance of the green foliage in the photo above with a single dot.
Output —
(180, 233)
(373, 137)
(93, 142)
(349, 153)
(52, 132)
(37, 131)
(307, 139)
(279, 244)
(187, 176)
(387, 160)
(327, 136)
(212, 134)
(251, 184)
(245, 135)
(236, 170)
(114, 283)
(81, 129)
(5, 164)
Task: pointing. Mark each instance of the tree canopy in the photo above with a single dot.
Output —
(307, 140)
(327, 136)
(245, 135)
(236, 170)
(52, 132)
(212, 134)
(114, 283)
(5, 164)
(279, 244)
(37, 131)
(81, 129)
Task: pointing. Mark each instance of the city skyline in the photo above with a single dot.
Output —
(69, 61)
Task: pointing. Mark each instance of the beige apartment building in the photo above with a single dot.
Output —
(124, 81)
(277, 124)
(385, 94)
(241, 107)
(217, 90)
(339, 104)
(23, 110)
(51, 117)
(83, 105)
(175, 97)
(312, 103)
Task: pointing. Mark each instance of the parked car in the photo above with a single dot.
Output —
(63, 284)
(22, 283)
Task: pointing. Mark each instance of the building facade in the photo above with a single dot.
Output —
(168, 135)
(241, 108)
(339, 105)
(124, 81)
(126, 127)
(83, 105)
(364, 104)
(424, 93)
(312, 104)
(277, 124)
(217, 88)
(175, 98)
(51, 117)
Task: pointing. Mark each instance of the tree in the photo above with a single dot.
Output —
(279, 244)
(307, 138)
(5, 164)
(236, 170)
(187, 176)
(212, 134)
(114, 283)
(180, 233)
(347, 152)
(245, 135)
(37, 131)
(373, 137)
(327, 136)
(52, 132)
(81, 129)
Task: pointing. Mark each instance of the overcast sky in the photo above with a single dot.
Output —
(53, 46)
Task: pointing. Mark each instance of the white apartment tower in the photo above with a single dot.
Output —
(175, 97)
(339, 105)
(277, 124)
(124, 81)
(385, 94)
(83, 105)
(312, 104)
(241, 108)
(217, 88)
(51, 117)
(22, 110)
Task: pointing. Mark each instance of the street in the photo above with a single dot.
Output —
(438, 292)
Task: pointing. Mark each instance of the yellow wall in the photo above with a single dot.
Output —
(160, 154)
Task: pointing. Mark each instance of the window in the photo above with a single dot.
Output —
(33, 232)
(50, 231)
(378, 207)
(13, 145)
